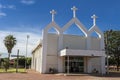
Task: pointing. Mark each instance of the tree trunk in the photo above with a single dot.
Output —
(6, 69)
(117, 68)
(8, 60)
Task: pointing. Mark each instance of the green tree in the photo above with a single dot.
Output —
(112, 45)
(29, 61)
(9, 42)
(21, 61)
(6, 65)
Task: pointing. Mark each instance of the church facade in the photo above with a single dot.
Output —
(66, 53)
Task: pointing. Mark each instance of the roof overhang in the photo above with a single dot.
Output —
(36, 47)
(73, 52)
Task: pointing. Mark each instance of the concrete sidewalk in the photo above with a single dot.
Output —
(32, 75)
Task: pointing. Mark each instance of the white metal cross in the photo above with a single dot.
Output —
(53, 12)
(74, 11)
(94, 19)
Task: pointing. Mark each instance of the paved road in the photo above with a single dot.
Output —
(32, 75)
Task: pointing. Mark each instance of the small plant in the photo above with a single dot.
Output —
(6, 65)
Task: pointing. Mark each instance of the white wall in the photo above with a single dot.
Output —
(36, 58)
(80, 42)
(52, 51)
(74, 42)
(70, 41)
(94, 63)
(52, 44)
(95, 43)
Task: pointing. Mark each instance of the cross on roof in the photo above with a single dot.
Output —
(94, 19)
(74, 11)
(53, 12)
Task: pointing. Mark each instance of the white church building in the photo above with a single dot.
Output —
(66, 53)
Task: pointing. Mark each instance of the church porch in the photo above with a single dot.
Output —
(82, 61)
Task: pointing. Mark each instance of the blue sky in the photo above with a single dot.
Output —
(31, 16)
(36, 14)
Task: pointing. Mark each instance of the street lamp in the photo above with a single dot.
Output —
(26, 52)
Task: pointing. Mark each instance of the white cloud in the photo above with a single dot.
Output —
(2, 6)
(21, 42)
(7, 6)
(2, 14)
(11, 6)
(28, 2)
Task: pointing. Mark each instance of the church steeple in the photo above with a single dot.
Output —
(94, 19)
(53, 12)
(74, 11)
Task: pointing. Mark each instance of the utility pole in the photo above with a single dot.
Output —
(107, 53)
(26, 52)
(107, 48)
(17, 61)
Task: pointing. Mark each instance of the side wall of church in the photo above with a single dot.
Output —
(36, 59)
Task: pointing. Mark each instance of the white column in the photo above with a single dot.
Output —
(88, 42)
(32, 62)
(39, 52)
(102, 42)
(60, 59)
(60, 43)
(89, 65)
(67, 64)
(103, 70)
(40, 61)
(44, 52)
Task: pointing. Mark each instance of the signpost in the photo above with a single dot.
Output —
(17, 59)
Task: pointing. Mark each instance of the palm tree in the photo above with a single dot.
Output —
(9, 42)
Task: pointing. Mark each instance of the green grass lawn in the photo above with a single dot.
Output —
(12, 70)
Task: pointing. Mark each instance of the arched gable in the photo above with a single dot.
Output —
(52, 25)
(44, 43)
(94, 28)
(97, 30)
(77, 23)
